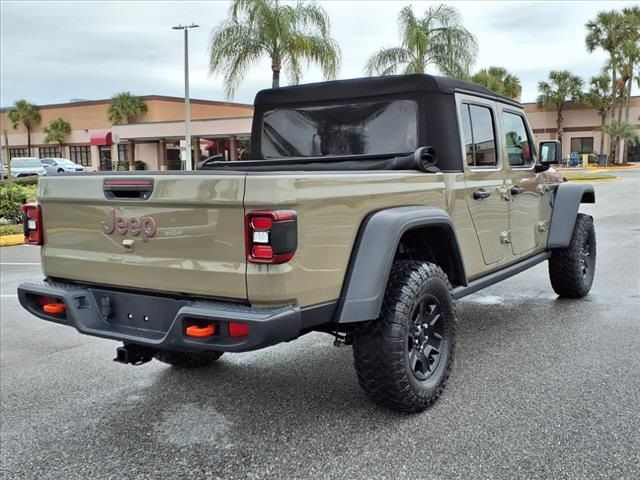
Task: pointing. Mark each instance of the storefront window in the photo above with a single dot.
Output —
(17, 152)
(582, 144)
(49, 152)
(80, 154)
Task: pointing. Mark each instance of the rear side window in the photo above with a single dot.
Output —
(383, 127)
(517, 141)
(479, 136)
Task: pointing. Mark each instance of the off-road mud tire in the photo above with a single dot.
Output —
(382, 348)
(572, 269)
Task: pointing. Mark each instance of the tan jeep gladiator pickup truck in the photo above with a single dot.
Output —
(368, 207)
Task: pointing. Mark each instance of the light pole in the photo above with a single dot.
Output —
(187, 108)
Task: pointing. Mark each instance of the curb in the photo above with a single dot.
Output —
(606, 169)
(595, 180)
(11, 240)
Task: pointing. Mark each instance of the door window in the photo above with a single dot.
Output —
(479, 136)
(517, 141)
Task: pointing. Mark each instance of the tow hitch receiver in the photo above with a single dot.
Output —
(134, 354)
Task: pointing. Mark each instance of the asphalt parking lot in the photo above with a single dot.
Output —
(541, 388)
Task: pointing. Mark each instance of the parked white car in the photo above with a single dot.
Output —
(60, 165)
(26, 167)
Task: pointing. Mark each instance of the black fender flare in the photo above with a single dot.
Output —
(373, 254)
(566, 202)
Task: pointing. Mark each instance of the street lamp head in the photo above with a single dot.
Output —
(184, 27)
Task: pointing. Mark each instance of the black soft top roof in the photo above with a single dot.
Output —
(371, 87)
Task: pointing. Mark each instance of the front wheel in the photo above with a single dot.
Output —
(572, 269)
(187, 359)
(404, 358)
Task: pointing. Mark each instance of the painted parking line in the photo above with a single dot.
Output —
(9, 295)
(18, 263)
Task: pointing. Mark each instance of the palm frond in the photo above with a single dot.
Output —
(24, 113)
(314, 49)
(437, 38)
(387, 61)
(310, 14)
(413, 35)
(287, 33)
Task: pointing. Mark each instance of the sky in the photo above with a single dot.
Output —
(52, 51)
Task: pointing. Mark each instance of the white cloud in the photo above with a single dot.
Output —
(53, 51)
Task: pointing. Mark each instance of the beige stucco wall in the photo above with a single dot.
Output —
(206, 128)
(148, 153)
(163, 111)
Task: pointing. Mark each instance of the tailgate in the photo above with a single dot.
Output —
(186, 237)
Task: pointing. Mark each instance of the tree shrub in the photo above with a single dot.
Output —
(12, 197)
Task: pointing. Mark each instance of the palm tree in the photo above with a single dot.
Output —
(124, 107)
(57, 131)
(438, 39)
(562, 87)
(27, 114)
(287, 34)
(608, 31)
(628, 58)
(630, 50)
(598, 97)
(498, 80)
(623, 130)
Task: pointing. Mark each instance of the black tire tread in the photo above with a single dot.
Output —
(379, 345)
(564, 265)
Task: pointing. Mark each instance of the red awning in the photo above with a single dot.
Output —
(101, 138)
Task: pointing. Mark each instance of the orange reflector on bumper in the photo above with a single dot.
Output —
(54, 308)
(196, 331)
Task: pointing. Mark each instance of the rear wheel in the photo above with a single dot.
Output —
(571, 269)
(404, 358)
(187, 359)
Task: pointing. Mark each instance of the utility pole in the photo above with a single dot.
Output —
(7, 156)
(187, 107)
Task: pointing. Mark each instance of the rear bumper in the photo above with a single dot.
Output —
(160, 321)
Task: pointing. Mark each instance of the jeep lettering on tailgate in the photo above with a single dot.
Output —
(134, 225)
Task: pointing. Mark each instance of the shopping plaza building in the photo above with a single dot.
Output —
(217, 128)
(581, 125)
(221, 128)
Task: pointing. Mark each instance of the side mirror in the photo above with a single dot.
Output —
(550, 152)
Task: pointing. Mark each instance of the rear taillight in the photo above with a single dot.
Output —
(272, 236)
(32, 224)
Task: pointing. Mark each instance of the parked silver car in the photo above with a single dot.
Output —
(60, 165)
(26, 167)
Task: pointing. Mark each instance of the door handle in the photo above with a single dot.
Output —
(480, 194)
(517, 190)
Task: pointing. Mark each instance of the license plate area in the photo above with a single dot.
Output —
(137, 311)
